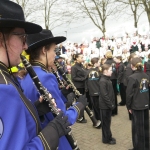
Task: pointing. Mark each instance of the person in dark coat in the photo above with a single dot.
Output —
(120, 67)
(78, 76)
(134, 48)
(92, 84)
(147, 69)
(62, 49)
(137, 102)
(87, 67)
(106, 103)
(128, 71)
(113, 78)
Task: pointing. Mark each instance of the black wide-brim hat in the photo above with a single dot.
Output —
(12, 16)
(41, 39)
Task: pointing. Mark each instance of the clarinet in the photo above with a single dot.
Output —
(61, 84)
(45, 94)
(95, 122)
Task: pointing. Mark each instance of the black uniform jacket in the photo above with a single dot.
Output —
(137, 93)
(128, 71)
(106, 97)
(92, 81)
(147, 67)
(78, 75)
(111, 62)
(120, 72)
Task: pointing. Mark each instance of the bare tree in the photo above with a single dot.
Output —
(135, 6)
(97, 10)
(55, 13)
(29, 7)
(146, 4)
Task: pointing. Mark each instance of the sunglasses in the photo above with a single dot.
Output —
(23, 37)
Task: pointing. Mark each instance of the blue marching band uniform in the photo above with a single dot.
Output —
(20, 125)
(16, 113)
(49, 81)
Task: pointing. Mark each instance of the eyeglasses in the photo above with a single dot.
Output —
(23, 37)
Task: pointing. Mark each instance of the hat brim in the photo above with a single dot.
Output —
(44, 42)
(30, 28)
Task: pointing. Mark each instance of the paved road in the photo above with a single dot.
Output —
(90, 138)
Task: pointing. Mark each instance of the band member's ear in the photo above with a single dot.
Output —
(43, 51)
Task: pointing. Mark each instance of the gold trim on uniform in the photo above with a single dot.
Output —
(4, 77)
(77, 109)
(45, 141)
(42, 141)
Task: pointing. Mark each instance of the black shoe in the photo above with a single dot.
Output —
(110, 142)
(131, 149)
(98, 123)
(113, 139)
(113, 114)
(99, 127)
(120, 104)
(82, 121)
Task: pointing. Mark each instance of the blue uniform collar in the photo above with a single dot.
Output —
(37, 63)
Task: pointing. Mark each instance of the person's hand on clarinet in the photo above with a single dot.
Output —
(42, 106)
(55, 129)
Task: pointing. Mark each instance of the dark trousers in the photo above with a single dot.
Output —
(82, 91)
(106, 122)
(130, 115)
(89, 100)
(95, 105)
(149, 98)
(114, 84)
(140, 129)
(122, 94)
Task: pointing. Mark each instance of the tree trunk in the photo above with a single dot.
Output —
(47, 27)
(103, 28)
(135, 20)
(148, 15)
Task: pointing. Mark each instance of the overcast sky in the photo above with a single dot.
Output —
(85, 29)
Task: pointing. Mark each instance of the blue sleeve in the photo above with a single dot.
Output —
(17, 127)
(50, 82)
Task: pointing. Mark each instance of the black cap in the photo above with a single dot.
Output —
(43, 38)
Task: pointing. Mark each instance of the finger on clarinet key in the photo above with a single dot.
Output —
(41, 99)
(53, 102)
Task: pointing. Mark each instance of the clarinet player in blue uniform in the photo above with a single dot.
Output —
(19, 121)
(42, 55)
